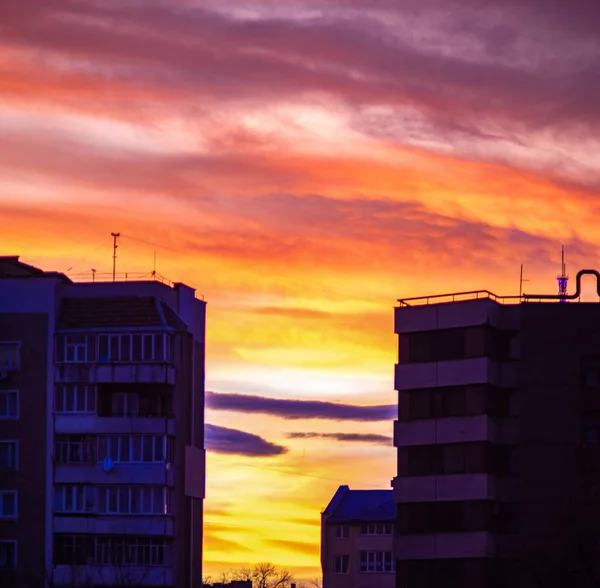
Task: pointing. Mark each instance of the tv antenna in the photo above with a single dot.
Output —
(115, 236)
(563, 279)
(521, 280)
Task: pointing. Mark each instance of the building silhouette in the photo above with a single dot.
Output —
(498, 439)
(101, 442)
(357, 533)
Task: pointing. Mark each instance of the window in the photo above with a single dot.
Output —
(125, 404)
(73, 549)
(450, 344)
(419, 404)
(135, 448)
(147, 347)
(420, 347)
(450, 402)
(454, 344)
(9, 455)
(8, 555)
(377, 529)
(144, 500)
(75, 449)
(341, 532)
(75, 399)
(128, 550)
(9, 404)
(8, 504)
(376, 561)
(75, 348)
(74, 499)
(340, 564)
(421, 460)
(453, 459)
(10, 356)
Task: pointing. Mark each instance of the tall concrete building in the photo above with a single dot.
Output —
(101, 431)
(498, 442)
(357, 534)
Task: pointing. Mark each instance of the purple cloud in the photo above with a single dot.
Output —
(350, 437)
(235, 442)
(299, 409)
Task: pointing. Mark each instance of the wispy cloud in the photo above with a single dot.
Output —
(300, 409)
(350, 437)
(236, 442)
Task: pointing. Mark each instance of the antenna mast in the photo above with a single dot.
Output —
(114, 236)
(563, 279)
(521, 280)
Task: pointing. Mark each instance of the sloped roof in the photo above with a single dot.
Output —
(11, 267)
(118, 311)
(353, 506)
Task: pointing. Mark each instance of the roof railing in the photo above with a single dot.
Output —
(472, 295)
(483, 294)
(92, 276)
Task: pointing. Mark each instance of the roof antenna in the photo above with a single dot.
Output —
(563, 279)
(521, 280)
(114, 236)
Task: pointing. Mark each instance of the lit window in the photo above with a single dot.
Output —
(8, 504)
(9, 404)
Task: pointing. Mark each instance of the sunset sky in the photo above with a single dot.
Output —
(303, 164)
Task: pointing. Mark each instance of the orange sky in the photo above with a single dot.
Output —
(302, 165)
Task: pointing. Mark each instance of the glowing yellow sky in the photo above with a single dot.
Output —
(302, 172)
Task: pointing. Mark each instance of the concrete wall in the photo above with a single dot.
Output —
(27, 315)
(352, 546)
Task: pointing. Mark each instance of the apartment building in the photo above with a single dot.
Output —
(357, 533)
(498, 441)
(101, 436)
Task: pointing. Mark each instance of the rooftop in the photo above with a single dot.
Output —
(517, 299)
(131, 311)
(361, 506)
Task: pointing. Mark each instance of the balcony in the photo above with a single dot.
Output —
(119, 357)
(114, 408)
(445, 545)
(109, 575)
(64, 424)
(114, 524)
(464, 429)
(122, 473)
(107, 373)
(478, 486)
(480, 370)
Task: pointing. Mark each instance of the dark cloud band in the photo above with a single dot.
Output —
(235, 442)
(349, 437)
(300, 409)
